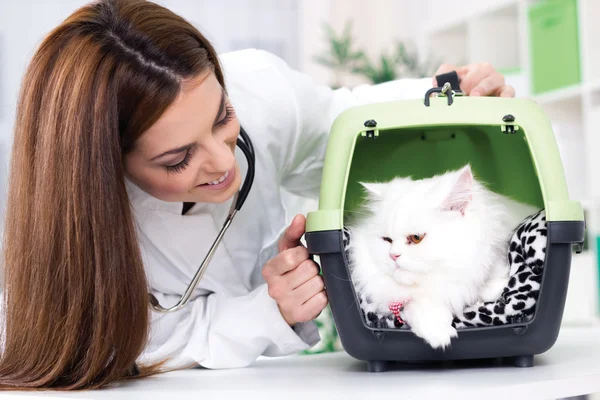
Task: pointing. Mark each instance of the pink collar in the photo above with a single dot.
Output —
(397, 306)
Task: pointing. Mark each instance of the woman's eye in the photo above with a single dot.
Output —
(416, 239)
(182, 165)
(229, 113)
(387, 239)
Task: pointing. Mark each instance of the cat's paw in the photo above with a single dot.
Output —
(432, 324)
(439, 337)
(492, 289)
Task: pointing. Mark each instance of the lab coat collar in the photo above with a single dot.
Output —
(139, 198)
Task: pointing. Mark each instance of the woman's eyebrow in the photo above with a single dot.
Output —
(173, 151)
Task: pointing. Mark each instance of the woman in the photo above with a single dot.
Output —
(124, 166)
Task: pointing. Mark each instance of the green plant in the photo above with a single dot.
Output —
(340, 56)
(402, 63)
(329, 336)
(385, 71)
(343, 57)
(412, 64)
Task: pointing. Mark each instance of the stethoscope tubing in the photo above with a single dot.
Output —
(245, 144)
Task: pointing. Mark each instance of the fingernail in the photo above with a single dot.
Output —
(475, 93)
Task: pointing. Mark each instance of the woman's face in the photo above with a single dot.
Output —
(188, 154)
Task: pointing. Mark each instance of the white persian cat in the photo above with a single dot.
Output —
(436, 245)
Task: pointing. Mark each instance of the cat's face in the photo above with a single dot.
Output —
(420, 226)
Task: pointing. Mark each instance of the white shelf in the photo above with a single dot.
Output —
(581, 305)
(567, 94)
(453, 13)
(570, 93)
(450, 44)
(589, 36)
(593, 86)
(494, 37)
(592, 141)
(459, 39)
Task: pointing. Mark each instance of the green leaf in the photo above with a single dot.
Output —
(341, 54)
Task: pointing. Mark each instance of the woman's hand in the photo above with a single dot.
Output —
(479, 79)
(293, 278)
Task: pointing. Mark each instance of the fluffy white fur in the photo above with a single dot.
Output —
(461, 259)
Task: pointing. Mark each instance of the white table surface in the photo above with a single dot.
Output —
(570, 368)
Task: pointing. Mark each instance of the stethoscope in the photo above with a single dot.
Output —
(245, 144)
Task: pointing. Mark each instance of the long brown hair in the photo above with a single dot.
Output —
(75, 292)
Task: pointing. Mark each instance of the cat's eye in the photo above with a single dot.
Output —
(387, 239)
(415, 238)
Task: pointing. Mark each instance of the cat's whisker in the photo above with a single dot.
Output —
(341, 279)
(354, 303)
(356, 212)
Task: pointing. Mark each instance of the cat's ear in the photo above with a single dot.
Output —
(374, 190)
(461, 192)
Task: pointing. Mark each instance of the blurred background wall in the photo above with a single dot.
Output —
(547, 49)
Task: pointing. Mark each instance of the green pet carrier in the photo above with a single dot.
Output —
(509, 144)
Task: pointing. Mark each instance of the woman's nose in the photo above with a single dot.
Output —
(394, 256)
(222, 158)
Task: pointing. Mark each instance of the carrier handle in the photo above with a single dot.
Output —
(449, 88)
(442, 90)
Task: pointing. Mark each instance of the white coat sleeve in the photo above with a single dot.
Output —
(218, 331)
(316, 107)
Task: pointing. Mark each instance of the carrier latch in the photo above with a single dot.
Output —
(371, 133)
(509, 127)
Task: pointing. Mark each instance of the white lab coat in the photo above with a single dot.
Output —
(231, 320)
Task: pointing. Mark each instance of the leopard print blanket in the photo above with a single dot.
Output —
(526, 255)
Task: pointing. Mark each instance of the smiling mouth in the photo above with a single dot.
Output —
(221, 183)
(221, 179)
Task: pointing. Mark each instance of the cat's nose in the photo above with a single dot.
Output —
(394, 257)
